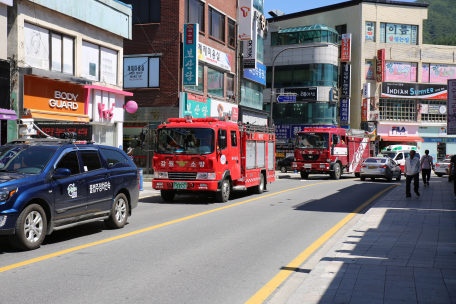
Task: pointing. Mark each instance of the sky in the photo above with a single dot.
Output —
(293, 6)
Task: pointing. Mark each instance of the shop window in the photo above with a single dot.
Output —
(303, 75)
(215, 82)
(113, 157)
(194, 13)
(433, 110)
(370, 31)
(70, 161)
(231, 33)
(104, 135)
(397, 109)
(99, 63)
(398, 33)
(216, 24)
(251, 95)
(200, 86)
(401, 71)
(48, 50)
(230, 85)
(90, 160)
(144, 11)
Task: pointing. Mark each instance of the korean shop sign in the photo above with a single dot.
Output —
(451, 107)
(191, 34)
(302, 94)
(214, 57)
(381, 65)
(194, 105)
(414, 90)
(346, 48)
(344, 112)
(346, 78)
(245, 13)
(257, 75)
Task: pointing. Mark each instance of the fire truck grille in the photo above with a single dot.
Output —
(182, 175)
(310, 157)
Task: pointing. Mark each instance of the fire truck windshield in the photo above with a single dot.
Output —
(312, 141)
(197, 141)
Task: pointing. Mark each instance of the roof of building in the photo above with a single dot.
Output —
(344, 5)
(308, 28)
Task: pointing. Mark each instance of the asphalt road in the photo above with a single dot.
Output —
(203, 253)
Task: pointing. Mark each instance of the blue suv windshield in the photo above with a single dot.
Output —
(24, 158)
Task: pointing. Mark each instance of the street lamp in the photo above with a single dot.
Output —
(273, 70)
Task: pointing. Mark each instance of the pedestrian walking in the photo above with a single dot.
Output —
(412, 172)
(452, 172)
(426, 165)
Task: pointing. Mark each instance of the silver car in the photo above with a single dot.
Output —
(441, 167)
(380, 167)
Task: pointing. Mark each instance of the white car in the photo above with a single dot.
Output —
(440, 168)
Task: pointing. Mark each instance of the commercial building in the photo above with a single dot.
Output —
(5, 106)
(67, 65)
(153, 63)
(398, 84)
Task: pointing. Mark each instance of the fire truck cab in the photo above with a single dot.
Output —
(330, 151)
(196, 155)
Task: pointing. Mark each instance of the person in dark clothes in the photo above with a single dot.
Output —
(452, 171)
(426, 166)
(412, 171)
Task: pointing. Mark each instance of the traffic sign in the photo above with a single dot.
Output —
(286, 98)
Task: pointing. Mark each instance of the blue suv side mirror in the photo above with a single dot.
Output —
(62, 173)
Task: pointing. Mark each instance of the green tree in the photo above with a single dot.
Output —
(441, 22)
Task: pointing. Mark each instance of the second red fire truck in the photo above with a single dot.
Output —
(330, 151)
(197, 155)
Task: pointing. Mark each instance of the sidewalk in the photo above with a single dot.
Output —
(402, 250)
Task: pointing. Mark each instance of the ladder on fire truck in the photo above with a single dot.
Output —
(358, 158)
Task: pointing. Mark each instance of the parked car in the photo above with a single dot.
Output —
(399, 157)
(49, 185)
(285, 164)
(380, 167)
(440, 168)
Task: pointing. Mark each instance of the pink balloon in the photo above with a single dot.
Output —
(131, 106)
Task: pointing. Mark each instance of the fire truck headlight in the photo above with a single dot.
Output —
(158, 174)
(205, 175)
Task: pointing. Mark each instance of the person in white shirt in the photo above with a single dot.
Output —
(426, 166)
(412, 171)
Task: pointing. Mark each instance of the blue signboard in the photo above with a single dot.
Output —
(438, 139)
(257, 75)
(191, 34)
(344, 112)
(286, 98)
(289, 131)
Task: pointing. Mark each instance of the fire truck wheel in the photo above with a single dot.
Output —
(363, 178)
(259, 189)
(336, 173)
(167, 195)
(223, 195)
(283, 169)
(304, 175)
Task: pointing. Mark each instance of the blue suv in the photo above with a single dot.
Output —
(51, 184)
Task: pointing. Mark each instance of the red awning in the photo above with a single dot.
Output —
(402, 138)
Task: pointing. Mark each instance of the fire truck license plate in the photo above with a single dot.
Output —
(179, 185)
(308, 166)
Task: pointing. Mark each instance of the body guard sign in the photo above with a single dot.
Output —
(100, 187)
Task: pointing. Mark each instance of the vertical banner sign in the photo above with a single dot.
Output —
(381, 65)
(250, 50)
(346, 48)
(365, 109)
(345, 112)
(191, 33)
(245, 13)
(346, 78)
(366, 90)
(451, 107)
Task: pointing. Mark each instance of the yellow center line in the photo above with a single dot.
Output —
(261, 295)
(48, 256)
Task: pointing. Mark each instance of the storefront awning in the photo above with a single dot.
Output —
(57, 116)
(402, 138)
(6, 114)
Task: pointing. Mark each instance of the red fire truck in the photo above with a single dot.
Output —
(195, 155)
(330, 151)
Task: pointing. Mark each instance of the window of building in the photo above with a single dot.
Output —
(397, 109)
(341, 29)
(231, 32)
(260, 48)
(370, 31)
(303, 75)
(398, 33)
(259, 5)
(90, 160)
(401, 71)
(144, 11)
(216, 24)
(200, 86)
(369, 69)
(70, 161)
(304, 113)
(194, 13)
(215, 82)
(251, 94)
(304, 37)
(91, 68)
(229, 85)
(438, 73)
(433, 110)
(48, 50)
